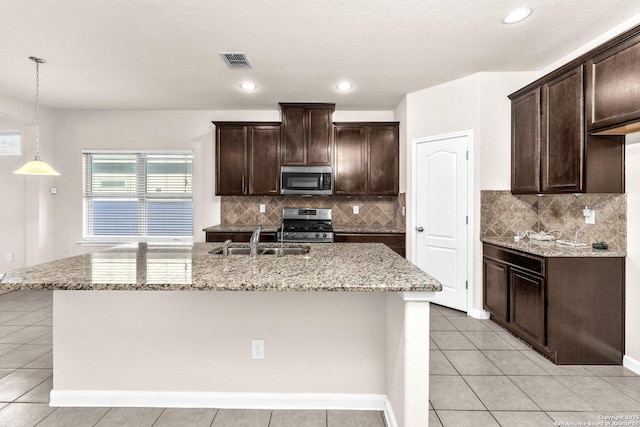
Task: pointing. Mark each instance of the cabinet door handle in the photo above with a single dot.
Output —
(419, 229)
(242, 182)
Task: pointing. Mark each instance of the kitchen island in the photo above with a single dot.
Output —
(345, 326)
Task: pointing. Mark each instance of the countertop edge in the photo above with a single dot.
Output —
(552, 249)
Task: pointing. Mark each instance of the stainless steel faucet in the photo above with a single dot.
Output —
(225, 247)
(253, 242)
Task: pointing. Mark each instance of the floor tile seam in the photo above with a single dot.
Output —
(158, 417)
(551, 376)
(609, 384)
(32, 388)
(516, 386)
(504, 373)
(474, 393)
(47, 416)
(485, 356)
(103, 415)
(622, 390)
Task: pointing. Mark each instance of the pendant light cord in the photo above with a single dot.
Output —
(37, 109)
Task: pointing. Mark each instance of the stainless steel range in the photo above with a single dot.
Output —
(306, 225)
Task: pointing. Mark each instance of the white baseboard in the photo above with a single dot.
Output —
(478, 314)
(389, 416)
(159, 399)
(631, 364)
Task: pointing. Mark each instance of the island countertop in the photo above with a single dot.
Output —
(350, 267)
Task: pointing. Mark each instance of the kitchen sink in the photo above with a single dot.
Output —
(301, 250)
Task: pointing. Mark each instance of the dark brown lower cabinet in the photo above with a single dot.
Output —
(527, 313)
(395, 241)
(570, 309)
(238, 236)
(496, 290)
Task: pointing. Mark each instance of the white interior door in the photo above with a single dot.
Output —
(441, 216)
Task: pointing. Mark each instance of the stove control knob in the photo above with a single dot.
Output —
(324, 235)
(305, 234)
(317, 235)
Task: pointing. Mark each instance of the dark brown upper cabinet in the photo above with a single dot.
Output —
(525, 143)
(547, 137)
(307, 134)
(366, 159)
(549, 150)
(247, 158)
(613, 88)
(562, 134)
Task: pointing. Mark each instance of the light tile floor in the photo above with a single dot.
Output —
(480, 376)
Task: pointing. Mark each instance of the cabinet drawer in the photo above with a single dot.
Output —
(530, 263)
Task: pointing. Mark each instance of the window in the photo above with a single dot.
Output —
(10, 144)
(137, 196)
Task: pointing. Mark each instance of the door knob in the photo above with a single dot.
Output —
(419, 229)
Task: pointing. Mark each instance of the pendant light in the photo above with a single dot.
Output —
(37, 166)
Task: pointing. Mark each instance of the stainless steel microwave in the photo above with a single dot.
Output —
(306, 180)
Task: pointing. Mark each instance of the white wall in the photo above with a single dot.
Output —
(26, 226)
(172, 130)
(632, 313)
(479, 103)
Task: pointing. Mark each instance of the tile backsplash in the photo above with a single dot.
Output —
(245, 210)
(503, 214)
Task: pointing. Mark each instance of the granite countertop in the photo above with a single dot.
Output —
(552, 249)
(225, 228)
(367, 229)
(353, 267)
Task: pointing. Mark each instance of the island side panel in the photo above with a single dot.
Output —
(408, 316)
(315, 342)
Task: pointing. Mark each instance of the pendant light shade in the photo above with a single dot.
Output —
(37, 166)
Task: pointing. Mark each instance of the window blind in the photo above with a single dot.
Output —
(10, 144)
(138, 196)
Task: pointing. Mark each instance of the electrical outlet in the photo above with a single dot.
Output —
(404, 211)
(9, 256)
(263, 208)
(356, 210)
(257, 349)
(589, 215)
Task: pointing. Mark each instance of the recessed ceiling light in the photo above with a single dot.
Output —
(516, 15)
(248, 86)
(344, 86)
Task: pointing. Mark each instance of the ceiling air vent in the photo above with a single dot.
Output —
(235, 60)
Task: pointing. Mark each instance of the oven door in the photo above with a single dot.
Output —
(306, 180)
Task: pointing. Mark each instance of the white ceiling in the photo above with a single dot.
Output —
(163, 54)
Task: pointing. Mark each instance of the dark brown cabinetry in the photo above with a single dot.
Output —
(562, 142)
(549, 150)
(547, 137)
(525, 143)
(613, 87)
(569, 309)
(247, 158)
(527, 312)
(307, 134)
(237, 236)
(496, 290)
(395, 241)
(366, 159)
